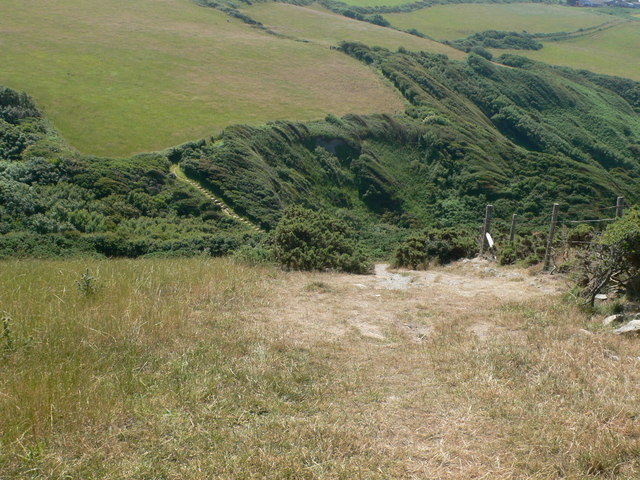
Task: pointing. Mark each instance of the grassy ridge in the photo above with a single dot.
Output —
(326, 28)
(612, 51)
(451, 22)
(120, 77)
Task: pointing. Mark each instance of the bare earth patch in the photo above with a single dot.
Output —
(467, 371)
(390, 300)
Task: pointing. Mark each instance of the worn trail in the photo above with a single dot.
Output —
(180, 175)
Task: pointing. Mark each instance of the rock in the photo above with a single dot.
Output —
(632, 327)
(584, 332)
(601, 296)
(612, 319)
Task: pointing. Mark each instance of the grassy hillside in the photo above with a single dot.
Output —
(376, 3)
(613, 51)
(323, 27)
(520, 136)
(120, 77)
(451, 22)
(198, 369)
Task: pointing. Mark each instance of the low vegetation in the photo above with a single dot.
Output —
(495, 39)
(435, 246)
(612, 260)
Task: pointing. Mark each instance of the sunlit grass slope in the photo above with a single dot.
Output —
(163, 372)
(613, 51)
(121, 76)
(451, 22)
(326, 28)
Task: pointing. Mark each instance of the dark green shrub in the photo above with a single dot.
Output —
(528, 249)
(308, 240)
(483, 52)
(623, 239)
(445, 246)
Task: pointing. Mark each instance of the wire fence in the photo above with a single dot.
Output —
(566, 221)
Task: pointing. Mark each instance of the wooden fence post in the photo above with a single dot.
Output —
(552, 232)
(619, 207)
(486, 228)
(512, 233)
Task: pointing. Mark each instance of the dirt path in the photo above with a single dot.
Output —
(316, 307)
(405, 348)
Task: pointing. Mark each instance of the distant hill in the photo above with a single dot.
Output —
(520, 135)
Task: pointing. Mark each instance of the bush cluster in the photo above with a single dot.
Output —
(498, 39)
(308, 240)
(441, 245)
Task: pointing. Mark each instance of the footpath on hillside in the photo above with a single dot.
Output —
(325, 305)
(467, 371)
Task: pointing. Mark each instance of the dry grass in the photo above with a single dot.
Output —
(477, 375)
(206, 369)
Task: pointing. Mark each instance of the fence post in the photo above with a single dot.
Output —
(486, 228)
(512, 233)
(619, 207)
(552, 232)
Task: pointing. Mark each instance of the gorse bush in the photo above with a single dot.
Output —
(308, 240)
(528, 249)
(444, 246)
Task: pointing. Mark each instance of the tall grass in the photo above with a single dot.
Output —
(159, 373)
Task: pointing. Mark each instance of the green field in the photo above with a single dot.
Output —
(451, 22)
(376, 3)
(120, 77)
(613, 51)
(326, 28)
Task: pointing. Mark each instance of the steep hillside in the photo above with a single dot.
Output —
(54, 201)
(520, 135)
